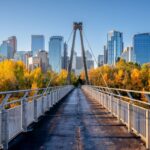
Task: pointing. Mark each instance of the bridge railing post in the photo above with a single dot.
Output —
(99, 97)
(35, 108)
(24, 112)
(58, 94)
(111, 103)
(52, 97)
(4, 131)
(118, 108)
(48, 100)
(103, 99)
(42, 105)
(147, 129)
(129, 116)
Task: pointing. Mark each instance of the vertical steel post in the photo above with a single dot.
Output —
(71, 57)
(4, 123)
(42, 106)
(118, 109)
(24, 112)
(83, 56)
(129, 116)
(35, 108)
(5, 129)
(147, 129)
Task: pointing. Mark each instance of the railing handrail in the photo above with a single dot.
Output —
(27, 90)
(125, 90)
(131, 99)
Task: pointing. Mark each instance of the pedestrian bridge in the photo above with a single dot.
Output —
(72, 118)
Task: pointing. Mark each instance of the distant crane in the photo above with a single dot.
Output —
(77, 26)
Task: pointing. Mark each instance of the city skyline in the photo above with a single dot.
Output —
(49, 22)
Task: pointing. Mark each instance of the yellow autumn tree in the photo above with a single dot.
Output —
(62, 77)
(36, 76)
(8, 79)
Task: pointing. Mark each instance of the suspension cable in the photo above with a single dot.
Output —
(70, 35)
(105, 82)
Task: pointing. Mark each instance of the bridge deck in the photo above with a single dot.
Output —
(79, 123)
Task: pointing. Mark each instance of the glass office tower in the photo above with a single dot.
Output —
(6, 51)
(55, 52)
(114, 46)
(37, 44)
(141, 47)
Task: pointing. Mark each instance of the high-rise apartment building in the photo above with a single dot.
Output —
(114, 46)
(100, 60)
(41, 60)
(43, 55)
(65, 57)
(13, 43)
(141, 47)
(55, 52)
(37, 44)
(128, 54)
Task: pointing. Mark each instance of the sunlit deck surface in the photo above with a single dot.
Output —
(78, 123)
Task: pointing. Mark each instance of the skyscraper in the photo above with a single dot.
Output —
(114, 46)
(13, 43)
(141, 47)
(55, 52)
(105, 54)
(37, 44)
(65, 57)
(6, 50)
(100, 60)
(43, 55)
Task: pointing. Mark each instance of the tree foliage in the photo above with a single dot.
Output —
(123, 75)
(15, 76)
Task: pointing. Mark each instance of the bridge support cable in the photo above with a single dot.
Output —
(71, 58)
(49, 83)
(101, 74)
(77, 26)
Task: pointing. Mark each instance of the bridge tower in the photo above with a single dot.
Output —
(77, 26)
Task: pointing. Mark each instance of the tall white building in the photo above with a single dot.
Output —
(128, 54)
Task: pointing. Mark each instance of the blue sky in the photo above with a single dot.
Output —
(55, 17)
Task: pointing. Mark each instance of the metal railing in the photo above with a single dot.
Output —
(19, 109)
(134, 113)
